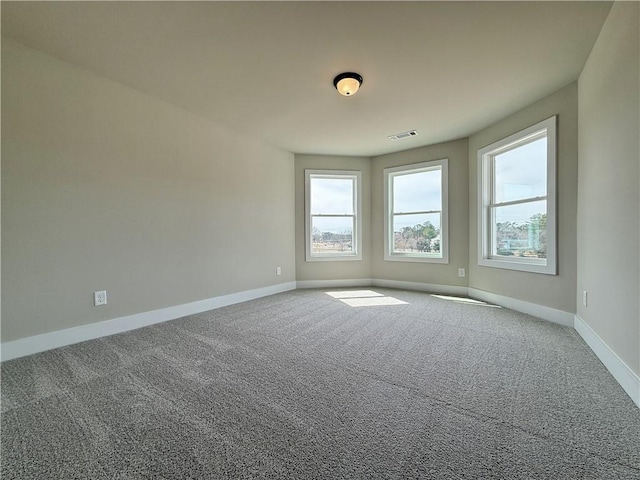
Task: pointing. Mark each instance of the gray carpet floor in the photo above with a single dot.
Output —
(303, 385)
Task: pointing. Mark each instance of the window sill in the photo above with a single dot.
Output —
(548, 268)
(415, 258)
(333, 258)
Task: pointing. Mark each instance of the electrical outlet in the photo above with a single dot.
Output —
(100, 298)
(584, 298)
(461, 272)
(278, 271)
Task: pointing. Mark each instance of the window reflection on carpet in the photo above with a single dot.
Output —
(467, 301)
(365, 298)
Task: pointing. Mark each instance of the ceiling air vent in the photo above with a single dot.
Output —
(400, 136)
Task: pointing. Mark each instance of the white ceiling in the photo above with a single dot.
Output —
(447, 69)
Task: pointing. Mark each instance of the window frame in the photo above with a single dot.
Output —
(486, 204)
(389, 174)
(356, 177)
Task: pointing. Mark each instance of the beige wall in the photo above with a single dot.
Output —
(608, 180)
(106, 188)
(336, 270)
(555, 291)
(440, 274)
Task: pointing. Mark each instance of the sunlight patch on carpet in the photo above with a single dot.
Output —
(467, 301)
(354, 294)
(365, 298)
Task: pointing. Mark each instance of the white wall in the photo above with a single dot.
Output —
(554, 291)
(608, 185)
(105, 188)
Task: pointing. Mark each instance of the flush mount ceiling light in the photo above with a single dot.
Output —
(347, 83)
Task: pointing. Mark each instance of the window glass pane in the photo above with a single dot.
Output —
(521, 172)
(417, 192)
(331, 195)
(332, 234)
(416, 233)
(521, 230)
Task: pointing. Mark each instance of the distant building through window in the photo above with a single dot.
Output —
(333, 218)
(517, 201)
(416, 218)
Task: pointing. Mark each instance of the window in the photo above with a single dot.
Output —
(333, 215)
(517, 201)
(416, 219)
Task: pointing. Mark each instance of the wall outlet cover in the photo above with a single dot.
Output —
(100, 298)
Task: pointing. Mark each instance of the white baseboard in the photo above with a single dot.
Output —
(629, 381)
(420, 287)
(380, 282)
(626, 377)
(346, 283)
(540, 311)
(47, 341)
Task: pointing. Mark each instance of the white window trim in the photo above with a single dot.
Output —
(444, 226)
(356, 176)
(485, 224)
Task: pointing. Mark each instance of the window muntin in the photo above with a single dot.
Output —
(517, 201)
(333, 215)
(416, 212)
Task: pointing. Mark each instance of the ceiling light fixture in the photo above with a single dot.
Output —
(347, 83)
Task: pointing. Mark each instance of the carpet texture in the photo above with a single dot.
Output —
(382, 384)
